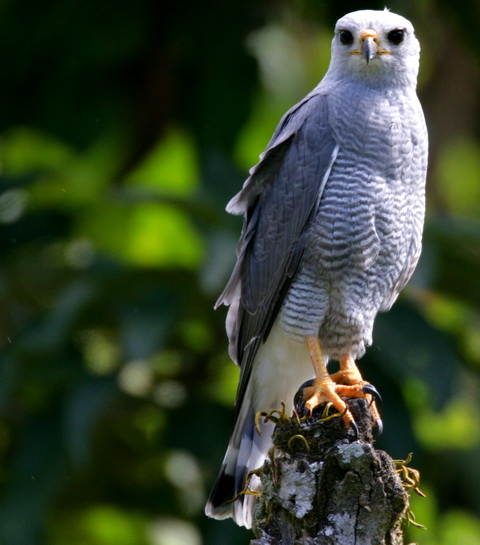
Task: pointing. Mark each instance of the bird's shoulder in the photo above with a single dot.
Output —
(308, 122)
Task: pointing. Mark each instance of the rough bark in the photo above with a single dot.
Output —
(323, 486)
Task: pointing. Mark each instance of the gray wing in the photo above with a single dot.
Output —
(278, 201)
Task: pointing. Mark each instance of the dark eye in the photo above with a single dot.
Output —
(346, 37)
(396, 36)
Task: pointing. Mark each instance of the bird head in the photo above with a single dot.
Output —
(379, 47)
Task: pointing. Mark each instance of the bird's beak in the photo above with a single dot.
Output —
(368, 39)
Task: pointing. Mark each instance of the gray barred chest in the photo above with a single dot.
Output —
(358, 218)
(355, 251)
(358, 244)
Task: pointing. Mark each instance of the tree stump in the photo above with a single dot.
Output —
(323, 486)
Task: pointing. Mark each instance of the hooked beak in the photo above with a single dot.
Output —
(368, 40)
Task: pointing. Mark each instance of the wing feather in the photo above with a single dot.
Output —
(278, 201)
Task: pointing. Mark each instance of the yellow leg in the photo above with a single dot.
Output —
(323, 389)
(349, 373)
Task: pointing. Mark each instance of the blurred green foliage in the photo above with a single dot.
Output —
(126, 126)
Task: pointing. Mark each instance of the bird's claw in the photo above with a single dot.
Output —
(366, 389)
(299, 399)
(376, 401)
(354, 428)
(370, 389)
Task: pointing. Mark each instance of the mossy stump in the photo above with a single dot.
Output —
(323, 486)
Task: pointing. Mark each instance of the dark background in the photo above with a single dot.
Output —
(126, 126)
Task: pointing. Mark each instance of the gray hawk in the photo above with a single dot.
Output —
(333, 219)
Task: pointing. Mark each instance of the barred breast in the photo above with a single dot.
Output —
(365, 239)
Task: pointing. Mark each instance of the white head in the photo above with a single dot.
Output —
(376, 47)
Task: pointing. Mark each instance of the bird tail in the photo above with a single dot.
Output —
(246, 451)
(281, 365)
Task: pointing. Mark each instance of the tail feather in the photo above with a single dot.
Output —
(282, 364)
(246, 451)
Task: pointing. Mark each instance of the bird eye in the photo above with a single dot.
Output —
(346, 37)
(396, 36)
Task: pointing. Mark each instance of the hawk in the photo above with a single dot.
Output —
(333, 219)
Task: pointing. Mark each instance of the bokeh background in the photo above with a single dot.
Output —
(125, 128)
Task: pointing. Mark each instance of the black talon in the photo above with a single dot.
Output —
(370, 389)
(299, 399)
(379, 424)
(354, 427)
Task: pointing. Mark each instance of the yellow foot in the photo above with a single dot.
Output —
(351, 384)
(347, 382)
(316, 394)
